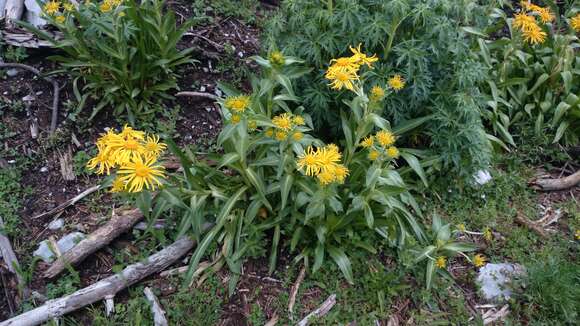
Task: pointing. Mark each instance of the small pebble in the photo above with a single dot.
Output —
(56, 224)
(241, 54)
(44, 169)
(208, 109)
(202, 89)
(12, 72)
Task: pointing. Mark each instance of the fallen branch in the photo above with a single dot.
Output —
(56, 89)
(107, 287)
(520, 219)
(69, 202)
(557, 184)
(294, 291)
(319, 312)
(158, 313)
(7, 253)
(198, 94)
(95, 241)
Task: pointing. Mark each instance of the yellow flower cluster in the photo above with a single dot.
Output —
(381, 143)
(237, 105)
(526, 22)
(343, 72)
(396, 82)
(377, 94)
(276, 58)
(109, 5)
(479, 260)
(575, 23)
(441, 262)
(323, 163)
(52, 8)
(286, 124)
(135, 155)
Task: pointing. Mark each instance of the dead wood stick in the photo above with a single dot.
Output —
(9, 256)
(294, 291)
(527, 223)
(557, 184)
(69, 202)
(158, 313)
(56, 89)
(322, 310)
(198, 94)
(107, 287)
(95, 241)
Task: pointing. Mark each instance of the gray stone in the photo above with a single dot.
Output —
(495, 280)
(56, 224)
(12, 72)
(65, 244)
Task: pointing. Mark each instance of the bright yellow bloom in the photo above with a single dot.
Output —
(373, 155)
(105, 7)
(118, 185)
(114, 3)
(68, 6)
(129, 132)
(534, 35)
(385, 138)
(441, 262)
(575, 23)
(236, 118)
(487, 234)
(281, 135)
(393, 152)
(297, 136)
(577, 234)
(103, 162)
(252, 125)
(461, 227)
(276, 58)
(51, 7)
(479, 260)
(396, 82)
(325, 177)
(367, 142)
(124, 150)
(348, 64)
(328, 156)
(361, 58)
(341, 79)
(340, 173)
(377, 93)
(309, 162)
(106, 138)
(545, 14)
(140, 173)
(152, 147)
(283, 121)
(269, 132)
(60, 19)
(298, 120)
(523, 21)
(237, 103)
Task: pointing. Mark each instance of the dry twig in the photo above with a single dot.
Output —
(294, 292)
(322, 310)
(68, 203)
(557, 184)
(198, 94)
(158, 313)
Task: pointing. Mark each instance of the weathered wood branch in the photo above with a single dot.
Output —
(107, 287)
(557, 184)
(56, 89)
(95, 241)
(68, 203)
(7, 253)
(198, 94)
(294, 292)
(520, 219)
(322, 310)
(158, 313)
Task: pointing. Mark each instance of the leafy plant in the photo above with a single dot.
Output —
(533, 85)
(429, 43)
(122, 54)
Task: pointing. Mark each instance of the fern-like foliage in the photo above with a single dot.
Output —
(428, 42)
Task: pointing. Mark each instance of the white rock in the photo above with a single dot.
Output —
(494, 280)
(202, 89)
(241, 54)
(12, 72)
(44, 169)
(218, 92)
(65, 244)
(482, 177)
(56, 224)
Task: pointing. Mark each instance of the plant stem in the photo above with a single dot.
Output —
(330, 6)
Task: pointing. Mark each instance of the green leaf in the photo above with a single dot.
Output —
(342, 262)
(274, 251)
(257, 182)
(560, 132)
(318, 257)
(429, 272)
(228, 159)
(542, 79)
(474, 31)
(369, 217)
(409, 125)
(425, 253)
(416, 166)
(285, 187)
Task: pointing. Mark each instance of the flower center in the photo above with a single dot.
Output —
(131, 144)
(142, 171)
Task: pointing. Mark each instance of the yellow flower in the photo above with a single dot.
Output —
(152, 147)
(129, 132)
(340, 173)
(51, 7)
(396, 82)
(283, 121)
(577, 234)
(373, 155)
(269, 132)
(236, 118)
(281, 135)
(325, 177)
(523, 21)
(124, 150)
(479, 260)
(341, 79)
(114, 3)
(298, 120)
(575, 23)
(328, 156)
(545, 14)
(361, 58)
(461, 227)
(118, 185)
(252, 125)
(385, 138)
(60, 19)
(487, 234)
(122, 14)
(345, 64)
(68, 6)
(377, 93)
(297, 136)
(103, 162)
(393, 152)
(441, 262)
(276, 58)
(237, 103)
(141, 173)
(309, 162)
(534, 35)
(367, 142)
(105, 7)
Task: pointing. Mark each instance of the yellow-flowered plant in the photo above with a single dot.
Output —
(134, 155)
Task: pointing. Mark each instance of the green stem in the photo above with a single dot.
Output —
(330, 6)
